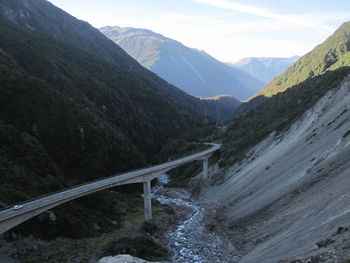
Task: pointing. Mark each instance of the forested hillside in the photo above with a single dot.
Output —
(329, 56)
(75, 107)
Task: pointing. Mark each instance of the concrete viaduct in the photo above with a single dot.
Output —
(16, 215)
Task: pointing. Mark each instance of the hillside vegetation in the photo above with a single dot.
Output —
(283, 193)
(287, 97)
(330, 55)
(74, 107)
(288, 199)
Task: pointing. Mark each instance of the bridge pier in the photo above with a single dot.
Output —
(147, 195)
(205, 168)
(12, 216)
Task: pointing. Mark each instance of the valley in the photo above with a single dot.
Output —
(252, 159)
(264, 69)
(192, 70)
(190, 241)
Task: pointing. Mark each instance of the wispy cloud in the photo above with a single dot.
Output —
(220, 31)
(239, 7)
(304, 20)
(229, 26)
(266, 33)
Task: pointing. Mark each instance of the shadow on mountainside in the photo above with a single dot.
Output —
(256, 119)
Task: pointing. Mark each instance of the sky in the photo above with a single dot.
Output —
(229, 30)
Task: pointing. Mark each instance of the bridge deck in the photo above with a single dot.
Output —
(35, 207)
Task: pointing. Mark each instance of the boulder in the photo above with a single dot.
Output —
(122, 258)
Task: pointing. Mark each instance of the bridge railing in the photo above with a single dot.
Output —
(12, 217)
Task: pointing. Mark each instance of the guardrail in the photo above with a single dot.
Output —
(16, 215)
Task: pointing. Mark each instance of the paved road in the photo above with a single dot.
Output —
(10, 217)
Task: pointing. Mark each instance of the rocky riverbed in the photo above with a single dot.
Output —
(190, 241)
(180, 226)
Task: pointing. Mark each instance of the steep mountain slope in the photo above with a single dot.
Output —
(330, 55)
(264, 69)
(248, 80)
(261, 116)
(43, 18)
(191, 70)
(224, 104)
(294, 92)
(284, 191)
(289, 198)
(75, 107)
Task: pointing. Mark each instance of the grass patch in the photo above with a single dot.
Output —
(66, 249)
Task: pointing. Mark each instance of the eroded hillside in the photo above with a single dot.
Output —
(289, 197)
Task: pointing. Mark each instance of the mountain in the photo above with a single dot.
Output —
(288, 96)
(75, 107)
(285, 160)
(287, 200)
(264, 69)
(329, 56)
(193, 71)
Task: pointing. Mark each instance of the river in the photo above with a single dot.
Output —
(190, 241)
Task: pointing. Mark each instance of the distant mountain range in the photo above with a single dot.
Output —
(75, 107)
(192, 70)
(264, 69)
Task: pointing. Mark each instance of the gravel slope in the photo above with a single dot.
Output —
(293, 190)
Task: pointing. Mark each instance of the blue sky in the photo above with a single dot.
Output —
(226, 29)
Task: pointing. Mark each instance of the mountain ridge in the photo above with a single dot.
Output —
(289, 95)
(330, 55)
(286, 161)
(264, 68)
(192, 70)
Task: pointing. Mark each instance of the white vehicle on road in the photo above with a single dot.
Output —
(17, 207)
